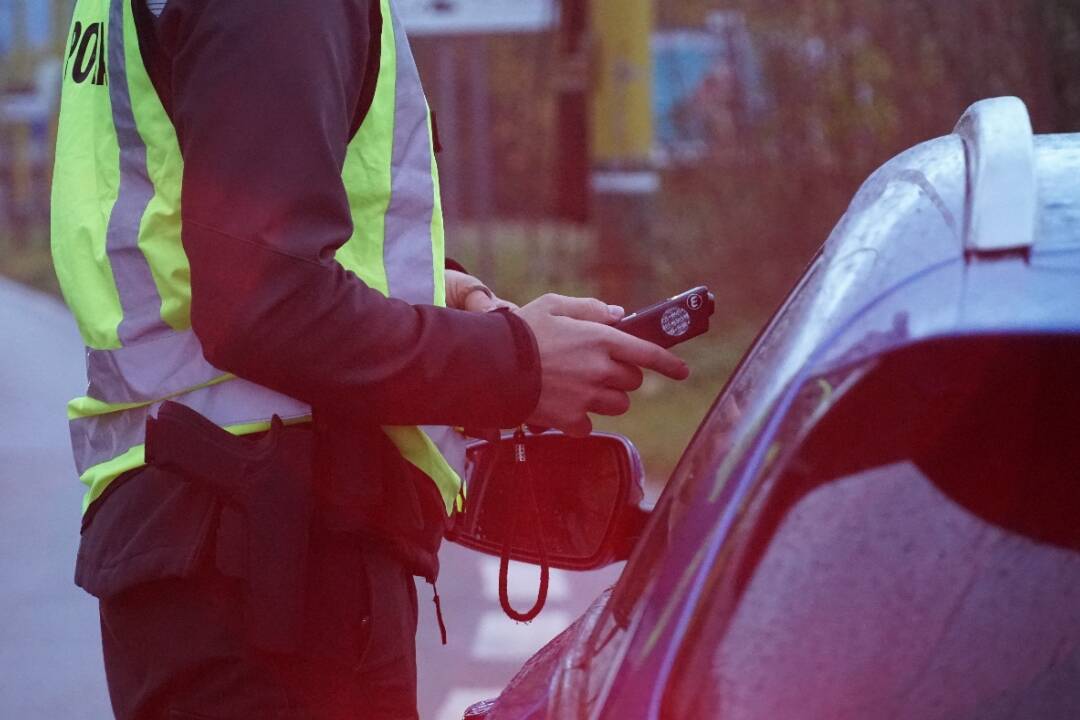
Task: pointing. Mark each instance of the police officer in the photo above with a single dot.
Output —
(246, 223)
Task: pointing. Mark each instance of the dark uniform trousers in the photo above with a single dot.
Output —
(175, 626)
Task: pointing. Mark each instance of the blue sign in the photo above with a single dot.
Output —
(707, 88)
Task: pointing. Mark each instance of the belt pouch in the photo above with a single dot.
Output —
(268, 481)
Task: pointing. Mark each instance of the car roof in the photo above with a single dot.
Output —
(958, 208)
(990, 187)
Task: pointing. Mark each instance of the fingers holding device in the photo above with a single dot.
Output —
(589, 365)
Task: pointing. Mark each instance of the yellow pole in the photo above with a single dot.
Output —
(621, 108)
(623, 182)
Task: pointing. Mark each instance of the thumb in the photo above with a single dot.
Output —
(479, 301)
(589, 309)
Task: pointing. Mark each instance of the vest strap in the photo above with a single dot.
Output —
(138, 294)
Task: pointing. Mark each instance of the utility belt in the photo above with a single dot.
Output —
(279, 487)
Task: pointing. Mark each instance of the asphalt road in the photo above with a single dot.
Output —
(50, 646)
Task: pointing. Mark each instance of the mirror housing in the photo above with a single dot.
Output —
(587, 499)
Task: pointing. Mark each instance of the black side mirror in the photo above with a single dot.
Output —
(587, 494)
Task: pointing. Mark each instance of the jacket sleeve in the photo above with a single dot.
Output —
(263, 95)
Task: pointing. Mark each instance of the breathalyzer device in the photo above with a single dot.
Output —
(672, 321)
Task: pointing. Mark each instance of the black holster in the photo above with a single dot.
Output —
(269, 484)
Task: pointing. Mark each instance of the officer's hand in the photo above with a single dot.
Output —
(465, 292)
(587, 366)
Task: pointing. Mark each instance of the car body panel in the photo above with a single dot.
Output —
(894, 272)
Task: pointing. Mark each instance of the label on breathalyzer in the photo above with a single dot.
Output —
(675, 322)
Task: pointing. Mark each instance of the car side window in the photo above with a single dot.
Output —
(909, 595)
(918, 536)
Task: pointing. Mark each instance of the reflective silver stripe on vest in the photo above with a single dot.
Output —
(407, 245)
(150, 370)
(139, 296)
(101, 438)
(407, 252)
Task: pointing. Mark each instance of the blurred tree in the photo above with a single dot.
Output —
(852, 82)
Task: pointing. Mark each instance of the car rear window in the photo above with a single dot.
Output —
(916, 554)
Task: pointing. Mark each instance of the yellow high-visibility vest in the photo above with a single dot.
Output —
(123, 271)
